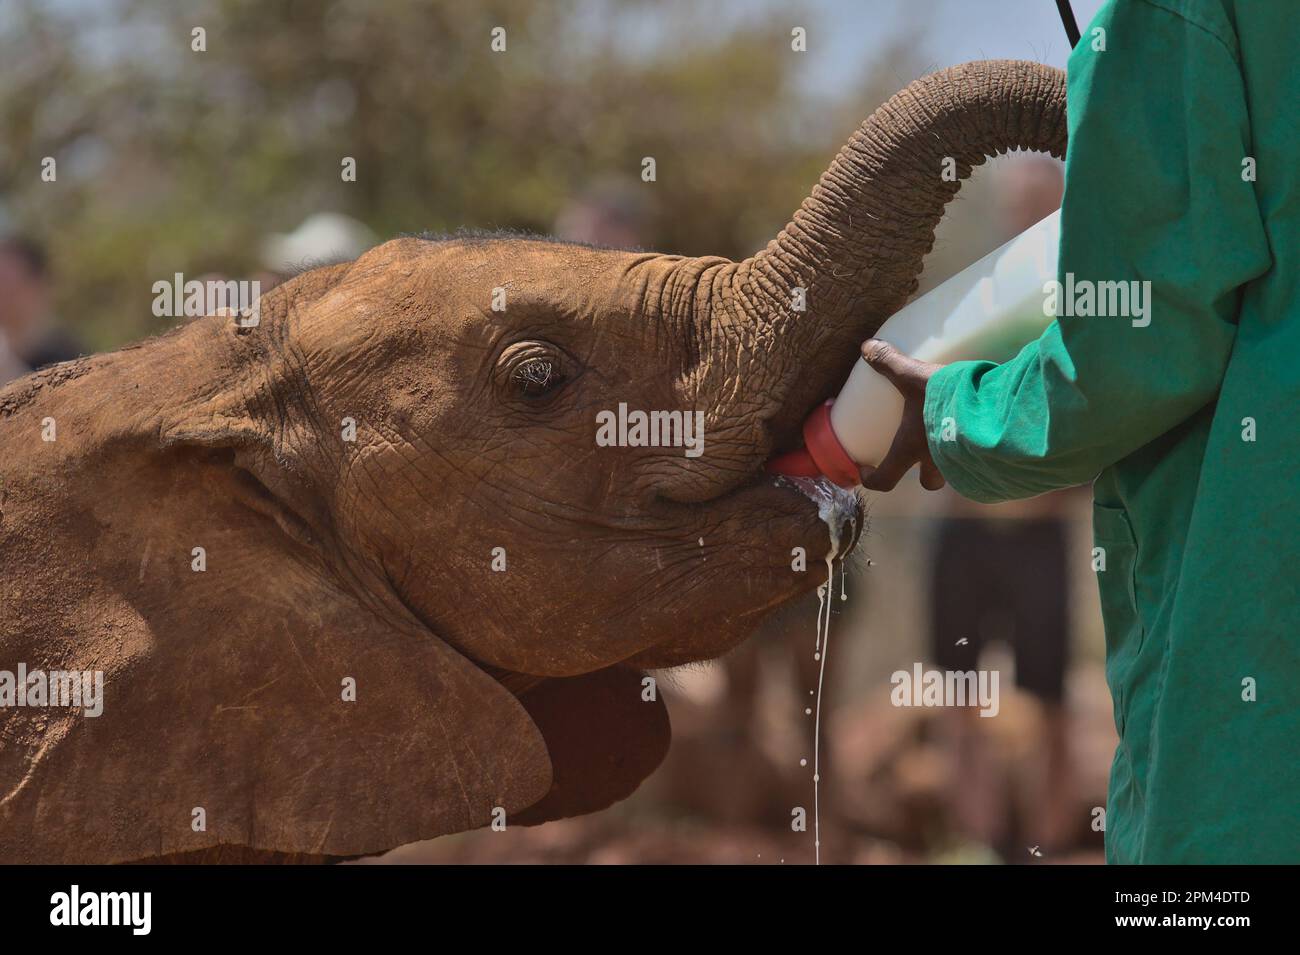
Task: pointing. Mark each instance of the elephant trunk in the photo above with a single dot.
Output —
(851, 255)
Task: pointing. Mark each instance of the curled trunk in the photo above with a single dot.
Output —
(857, 243)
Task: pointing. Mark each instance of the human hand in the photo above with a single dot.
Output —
(909, 447)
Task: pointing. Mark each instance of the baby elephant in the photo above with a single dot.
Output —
(392, 562)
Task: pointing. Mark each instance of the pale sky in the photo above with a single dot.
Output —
(847, 36)
(948, 32)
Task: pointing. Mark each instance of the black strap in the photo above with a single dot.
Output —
(1067, 17)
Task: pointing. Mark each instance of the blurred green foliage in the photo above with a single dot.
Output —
(174, 160)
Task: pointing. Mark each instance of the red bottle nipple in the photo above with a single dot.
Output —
(821, 455)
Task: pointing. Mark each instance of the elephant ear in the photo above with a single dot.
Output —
(252, 703)
(604, 733)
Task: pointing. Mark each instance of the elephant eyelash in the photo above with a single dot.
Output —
(535, 377)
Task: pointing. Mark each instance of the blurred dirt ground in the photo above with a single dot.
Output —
(723, 796)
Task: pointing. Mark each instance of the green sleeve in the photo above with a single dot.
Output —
(1154, 193)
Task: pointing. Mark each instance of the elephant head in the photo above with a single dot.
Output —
(363, 574)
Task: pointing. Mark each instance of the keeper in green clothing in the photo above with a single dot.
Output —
(1182, 171)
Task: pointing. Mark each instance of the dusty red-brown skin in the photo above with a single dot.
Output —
(372, 559)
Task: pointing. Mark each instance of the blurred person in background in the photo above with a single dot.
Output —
(29, 337)
(999, 574)
(609, 214)
(10, 366)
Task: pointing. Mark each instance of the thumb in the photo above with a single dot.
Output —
(900, 369)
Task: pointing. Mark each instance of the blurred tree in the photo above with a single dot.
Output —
(175, 160)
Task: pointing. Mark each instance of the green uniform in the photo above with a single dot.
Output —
(1183, 170)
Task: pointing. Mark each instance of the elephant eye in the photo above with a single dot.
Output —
(532, 371)
(535, 377)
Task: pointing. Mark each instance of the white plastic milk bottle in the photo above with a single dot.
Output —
(989, 310)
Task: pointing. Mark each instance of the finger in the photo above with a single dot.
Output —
(931, 479)
(886, 475)
(900, 369)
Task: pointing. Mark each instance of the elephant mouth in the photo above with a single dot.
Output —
(841, 510)
(759, 545)
(825, 519)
